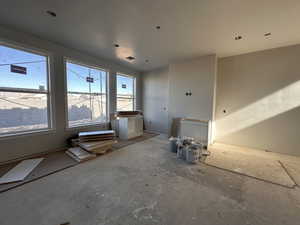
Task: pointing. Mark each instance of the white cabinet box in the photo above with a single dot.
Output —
(197, 129)
(130, 127)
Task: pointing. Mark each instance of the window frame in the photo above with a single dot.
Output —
(134, 90)
(92, 66)
(50, 100)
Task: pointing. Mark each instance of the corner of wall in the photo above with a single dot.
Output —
(212, 125)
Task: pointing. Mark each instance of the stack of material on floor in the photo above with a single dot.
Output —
(79, 154)
(97, 147)
(102, 135)
(96, 142)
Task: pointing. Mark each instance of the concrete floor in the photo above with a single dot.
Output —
(144, 184)
(267, 166)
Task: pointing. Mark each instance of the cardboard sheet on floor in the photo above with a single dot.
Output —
(268, 170)
(20, 171)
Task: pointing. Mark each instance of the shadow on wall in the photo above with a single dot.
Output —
(270, 106)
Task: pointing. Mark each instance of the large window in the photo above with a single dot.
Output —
(24, 91)
(86, 95)
(125, 93)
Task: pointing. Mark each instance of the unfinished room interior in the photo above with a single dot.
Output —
(162, 112)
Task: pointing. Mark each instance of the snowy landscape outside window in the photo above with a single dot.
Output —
(86, 95)
(125, 93)
(24, 91)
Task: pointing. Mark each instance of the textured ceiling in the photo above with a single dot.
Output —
(189, 28)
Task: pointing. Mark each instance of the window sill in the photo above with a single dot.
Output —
(27, 134)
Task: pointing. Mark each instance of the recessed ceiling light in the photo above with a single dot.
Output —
(146, 60)
(51, 13)
(130, 58)
(117, 46)
(238, 38)
(157, 27)
(267, 34)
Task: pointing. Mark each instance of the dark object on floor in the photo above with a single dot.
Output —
(67, 223)
(128, 113)
(58, 161)
(173, 144)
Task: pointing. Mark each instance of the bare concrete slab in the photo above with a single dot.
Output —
(57, 161)
(255, 164)
(145, 184)
(52, 163)
(293, 170)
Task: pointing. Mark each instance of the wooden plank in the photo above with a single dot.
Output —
(89, 146)
(79, 154)
(95, 139)
(195, 120)
(20, 171)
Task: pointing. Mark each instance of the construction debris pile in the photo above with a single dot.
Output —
(187, 149)
(88, 145)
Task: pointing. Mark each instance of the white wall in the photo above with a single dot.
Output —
(170, 84)
(155, 100)
(14, 147)
(198, 76)
(261, 95)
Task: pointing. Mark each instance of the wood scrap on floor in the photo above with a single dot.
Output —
(88, 144)
(20, 171)
(79, 154)
(97, 147)
(96, 136)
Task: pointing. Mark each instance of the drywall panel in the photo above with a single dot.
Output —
(155, 100)
(164, 93)
(20, 171)
(258, 100)
(14, 147)
(197, 77)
